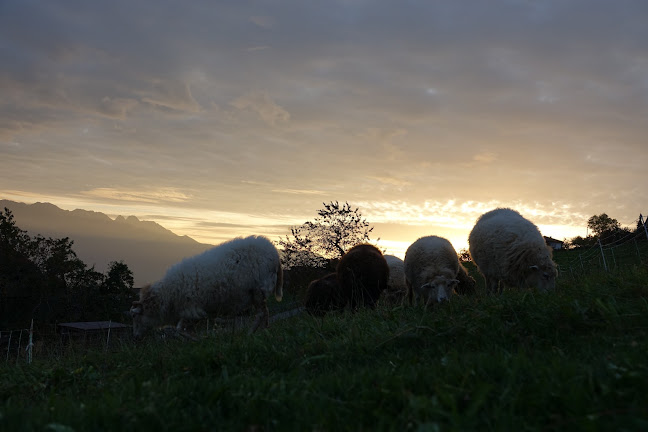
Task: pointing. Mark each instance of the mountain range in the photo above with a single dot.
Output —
(146, 247)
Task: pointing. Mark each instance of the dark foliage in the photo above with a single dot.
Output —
(43, 279)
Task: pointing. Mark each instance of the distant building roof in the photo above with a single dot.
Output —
(93, 325)
(552, 240)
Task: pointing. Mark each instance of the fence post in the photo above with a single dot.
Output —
(603, 255)
(19, 346)
(9, 344)
(581, 261)
(31, 342)
(108, 337)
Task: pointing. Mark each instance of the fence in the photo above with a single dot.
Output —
(58, 339)
(607, 254)
(17, 344)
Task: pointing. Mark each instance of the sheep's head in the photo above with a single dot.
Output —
(438, 290)
(144, 313)
(543, 277)
(137, 313)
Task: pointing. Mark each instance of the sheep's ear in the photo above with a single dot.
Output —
(425, 285)
(454, 282)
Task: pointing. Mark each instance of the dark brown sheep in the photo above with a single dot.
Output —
(363, 274)
(324, 295)
(467, 284)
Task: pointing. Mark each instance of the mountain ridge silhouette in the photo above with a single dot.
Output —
(146, 247)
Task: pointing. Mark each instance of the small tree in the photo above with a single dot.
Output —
(335, 230)
(464, 255)
(119, 279)
(12, 238)
(602, 224)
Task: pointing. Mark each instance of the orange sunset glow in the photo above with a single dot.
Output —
(219, 120)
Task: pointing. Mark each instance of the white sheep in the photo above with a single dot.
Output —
(225, 281)
(510, 251)
(396, 289)
(431, 268)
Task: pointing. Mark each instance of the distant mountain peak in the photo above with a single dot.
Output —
(145, 246)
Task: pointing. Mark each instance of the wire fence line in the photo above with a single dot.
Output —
(608, 253)
(17, 344)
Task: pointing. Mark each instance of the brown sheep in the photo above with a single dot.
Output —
(467, 284)
(363, 274)
(324, 295)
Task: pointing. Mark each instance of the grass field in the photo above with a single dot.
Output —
(573, 360)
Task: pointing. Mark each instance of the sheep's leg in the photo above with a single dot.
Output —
(258, 300)
(492, 285)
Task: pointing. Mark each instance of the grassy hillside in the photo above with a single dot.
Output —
(573, 360)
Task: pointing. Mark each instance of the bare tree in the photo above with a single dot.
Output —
(336, 229)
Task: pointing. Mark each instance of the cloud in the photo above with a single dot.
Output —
(117, 107)
(426, 102)
(390, 180)
(485, 157)
(258, 48)
(266, 22)
(298, 191)
(261, 103)
(173, 95)
(151, 196)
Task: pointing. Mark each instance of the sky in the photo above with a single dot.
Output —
(225, 118)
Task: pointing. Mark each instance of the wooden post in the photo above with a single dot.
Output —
(602, 255)
(31, 342)
(19, 343)
(9, 344)
(108, 337)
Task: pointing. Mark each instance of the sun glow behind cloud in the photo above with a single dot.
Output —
(252, 116)
(399, 222)
(454, 220)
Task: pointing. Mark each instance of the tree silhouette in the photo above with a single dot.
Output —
(336, 229)
(464, 255)
(42, 278)
(119, 279)
(602, 224)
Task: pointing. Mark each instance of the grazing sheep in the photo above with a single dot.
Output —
(467, 284)
(227, 280)
(431, 268)
(396, 287)
(363, 274)
(324, 295)
(510, 251)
